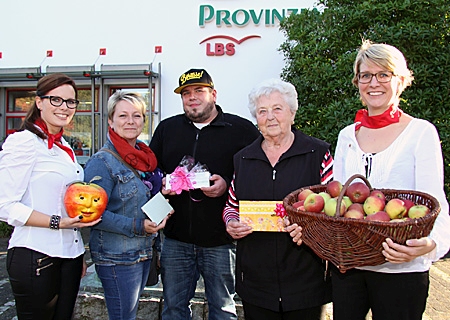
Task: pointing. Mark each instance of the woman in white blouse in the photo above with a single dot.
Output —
(45, 253)
(395, 151)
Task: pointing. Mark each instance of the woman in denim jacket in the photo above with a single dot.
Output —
(121, 244)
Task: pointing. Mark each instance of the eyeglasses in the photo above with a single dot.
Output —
(58, 101)
(382, 77)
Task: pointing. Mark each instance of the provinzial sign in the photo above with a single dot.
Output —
(242, 17)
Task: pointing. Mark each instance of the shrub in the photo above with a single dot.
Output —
(321, 46)
(5, 229)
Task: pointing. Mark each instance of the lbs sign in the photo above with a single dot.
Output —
(220, 49)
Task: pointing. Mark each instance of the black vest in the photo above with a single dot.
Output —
(269, 267)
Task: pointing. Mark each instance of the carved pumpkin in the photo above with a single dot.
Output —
(85, 199)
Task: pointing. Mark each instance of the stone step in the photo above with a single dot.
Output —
(91, 302)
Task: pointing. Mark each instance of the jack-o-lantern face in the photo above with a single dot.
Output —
(85, 199)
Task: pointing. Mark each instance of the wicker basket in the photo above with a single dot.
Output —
(350, 243)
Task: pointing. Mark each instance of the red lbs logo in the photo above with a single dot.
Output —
(220, 48)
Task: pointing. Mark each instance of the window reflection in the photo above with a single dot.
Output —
(78, 133)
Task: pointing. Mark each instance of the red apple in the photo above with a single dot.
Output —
(395, 208)
(379, 194)
(354, 214)
(331, 205)
(357, 192)
(314, 203)
(334, 188)
(356, 206)
(298, 204)
(86, 199)
(373, 204)
(303, 194)
(418, 211)
(378, 216)
(408, 205)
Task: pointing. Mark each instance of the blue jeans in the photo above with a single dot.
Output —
(181, 266)
(123, 285)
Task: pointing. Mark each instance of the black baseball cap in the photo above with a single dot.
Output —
(194, 77)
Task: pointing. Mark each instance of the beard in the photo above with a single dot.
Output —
(200, 117)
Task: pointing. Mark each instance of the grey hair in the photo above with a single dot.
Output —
(134, 98)
(266, 88)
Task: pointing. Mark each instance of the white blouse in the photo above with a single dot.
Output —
(33, 177)
(412, 162)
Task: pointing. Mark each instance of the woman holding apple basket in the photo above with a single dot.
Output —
(121, 244)
(393, 151)
(276, 278)
(45, 253)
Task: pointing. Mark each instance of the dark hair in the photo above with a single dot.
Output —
(44, 85)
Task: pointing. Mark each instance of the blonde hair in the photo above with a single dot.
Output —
(387, 57)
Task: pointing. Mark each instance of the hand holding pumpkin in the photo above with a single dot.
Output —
(85, 200)
(69, 223)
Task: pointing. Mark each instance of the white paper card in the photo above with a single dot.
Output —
(201, 180)
(157, 208)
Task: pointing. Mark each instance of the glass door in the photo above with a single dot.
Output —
(79, 132)
(146, 134)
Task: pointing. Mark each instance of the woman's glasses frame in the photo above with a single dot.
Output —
(58, 101)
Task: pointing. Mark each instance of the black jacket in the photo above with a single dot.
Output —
(200, 221)
(270, 268)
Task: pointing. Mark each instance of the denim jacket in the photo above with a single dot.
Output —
(120, 237)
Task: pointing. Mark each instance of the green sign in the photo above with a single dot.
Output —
(242, 17)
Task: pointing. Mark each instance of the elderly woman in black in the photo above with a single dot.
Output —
(275, 277)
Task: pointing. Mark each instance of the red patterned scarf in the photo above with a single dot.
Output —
(142, 159)
(54, 138)
(362, 118)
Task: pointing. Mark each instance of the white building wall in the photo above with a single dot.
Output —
(129, 31)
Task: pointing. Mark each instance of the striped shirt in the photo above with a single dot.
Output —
(231, 210)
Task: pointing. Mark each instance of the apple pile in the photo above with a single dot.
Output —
(359, 202)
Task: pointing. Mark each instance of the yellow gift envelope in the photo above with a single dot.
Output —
(260, 215)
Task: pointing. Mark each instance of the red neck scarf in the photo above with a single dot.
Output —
(362, 118)
(142, 159)
(54, 138)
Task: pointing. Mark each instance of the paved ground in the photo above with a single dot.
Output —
(438, 306)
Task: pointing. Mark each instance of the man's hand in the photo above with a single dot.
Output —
(218, 188)
(164, 191)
